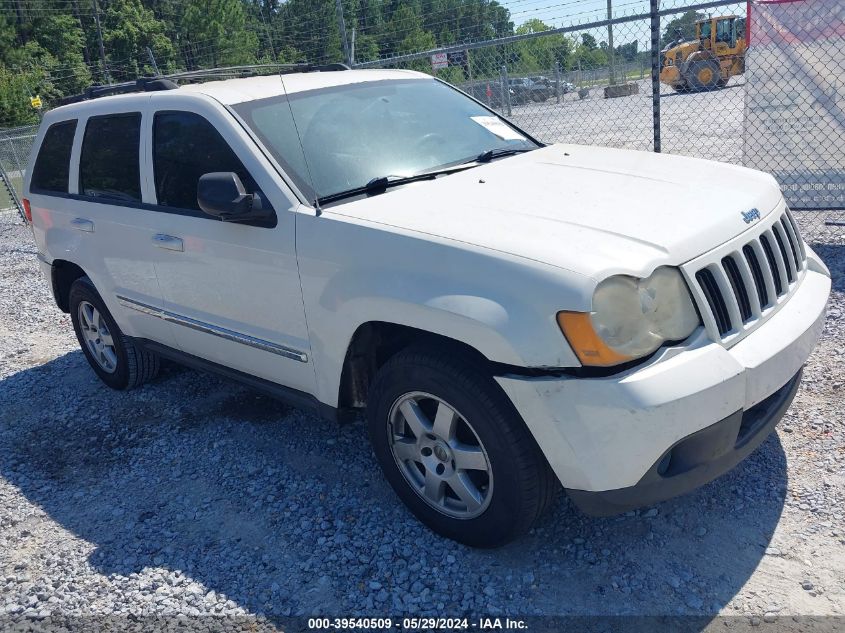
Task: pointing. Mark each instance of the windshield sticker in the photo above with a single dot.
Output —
(498, 127)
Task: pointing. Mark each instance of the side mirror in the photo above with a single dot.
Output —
(222, 194)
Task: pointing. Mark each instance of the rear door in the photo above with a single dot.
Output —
(231, 291)
(99, 222)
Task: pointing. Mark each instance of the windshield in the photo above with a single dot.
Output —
(354, 133)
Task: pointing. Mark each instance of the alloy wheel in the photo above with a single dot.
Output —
(97, 337)
(440, 455)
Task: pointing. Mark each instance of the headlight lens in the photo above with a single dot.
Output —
(631, 318)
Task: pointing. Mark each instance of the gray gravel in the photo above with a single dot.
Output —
(195, 496)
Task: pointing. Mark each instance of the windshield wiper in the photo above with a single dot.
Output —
(383, 183)
(490, 154)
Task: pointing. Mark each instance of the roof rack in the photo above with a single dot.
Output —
(144, 84)
(169, 82)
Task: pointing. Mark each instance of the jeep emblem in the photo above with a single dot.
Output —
(750, 216)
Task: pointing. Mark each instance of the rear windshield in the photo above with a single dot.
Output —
(52, 165)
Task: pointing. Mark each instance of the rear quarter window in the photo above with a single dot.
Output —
(109, 166)
(52, 165)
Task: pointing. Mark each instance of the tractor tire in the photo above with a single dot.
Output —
(703, 74)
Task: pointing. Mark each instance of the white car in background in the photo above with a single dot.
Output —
(510, 315)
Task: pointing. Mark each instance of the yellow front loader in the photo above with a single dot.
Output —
(708, 62)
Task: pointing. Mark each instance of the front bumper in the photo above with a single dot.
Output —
(612, 433)
(695, 460)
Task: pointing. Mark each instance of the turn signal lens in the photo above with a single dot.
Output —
(591, 350)
(27, 210)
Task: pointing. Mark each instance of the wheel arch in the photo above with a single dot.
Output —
(63, 274)
(374, 343)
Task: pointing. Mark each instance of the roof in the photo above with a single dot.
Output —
(239, 90)
(232, 91)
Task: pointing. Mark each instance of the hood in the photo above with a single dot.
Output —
(596, 211)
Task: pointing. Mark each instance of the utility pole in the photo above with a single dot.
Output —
(100, 38)
(153, 61)
(341, 25)
(611, 73)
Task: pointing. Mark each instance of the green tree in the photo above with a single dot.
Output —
(542, 53)
(588, 42)
(216, 33)
(15, 91)
(683, 25)
(62, 36)
(128, 29)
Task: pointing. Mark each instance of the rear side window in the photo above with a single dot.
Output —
(52, 165)
(109, 165)
(186, 146)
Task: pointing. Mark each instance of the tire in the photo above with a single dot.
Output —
(121, 365)
(703, 74)
(509, 480)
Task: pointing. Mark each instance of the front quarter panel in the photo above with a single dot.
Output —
(354, 272)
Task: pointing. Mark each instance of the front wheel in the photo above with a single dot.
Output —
(455, 450)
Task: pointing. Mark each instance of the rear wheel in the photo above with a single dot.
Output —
(455, 450)
(703, 74)
(112, 355)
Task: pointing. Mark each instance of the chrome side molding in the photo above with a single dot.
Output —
(215, 330)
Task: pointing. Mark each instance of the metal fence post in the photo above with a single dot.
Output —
(557, 81)
(655, 72)
(506, 91)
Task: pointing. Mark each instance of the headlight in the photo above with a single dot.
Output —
(631, 318)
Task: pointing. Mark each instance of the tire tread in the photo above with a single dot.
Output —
(539, 485)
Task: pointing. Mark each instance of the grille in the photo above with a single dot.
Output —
(741, 287)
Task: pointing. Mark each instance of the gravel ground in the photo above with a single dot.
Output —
(194, 496)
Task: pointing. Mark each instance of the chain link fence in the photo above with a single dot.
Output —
(758, 84)
(15, 145)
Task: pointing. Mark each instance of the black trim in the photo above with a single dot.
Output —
(293, 397)
(147, 206)
(696, 459)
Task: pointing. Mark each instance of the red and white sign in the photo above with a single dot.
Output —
(439, 60)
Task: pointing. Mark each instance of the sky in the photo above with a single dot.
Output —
(557, 13)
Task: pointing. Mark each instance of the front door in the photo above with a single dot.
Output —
(231, 291)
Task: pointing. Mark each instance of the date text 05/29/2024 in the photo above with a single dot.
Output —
(414, 624)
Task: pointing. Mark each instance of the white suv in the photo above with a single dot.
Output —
(509, 314)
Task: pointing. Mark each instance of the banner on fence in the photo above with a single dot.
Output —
(795, 99)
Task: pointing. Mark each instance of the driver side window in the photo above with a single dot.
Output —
(186, 146)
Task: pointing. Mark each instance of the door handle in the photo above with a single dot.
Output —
(81, 224)
(168, 242)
